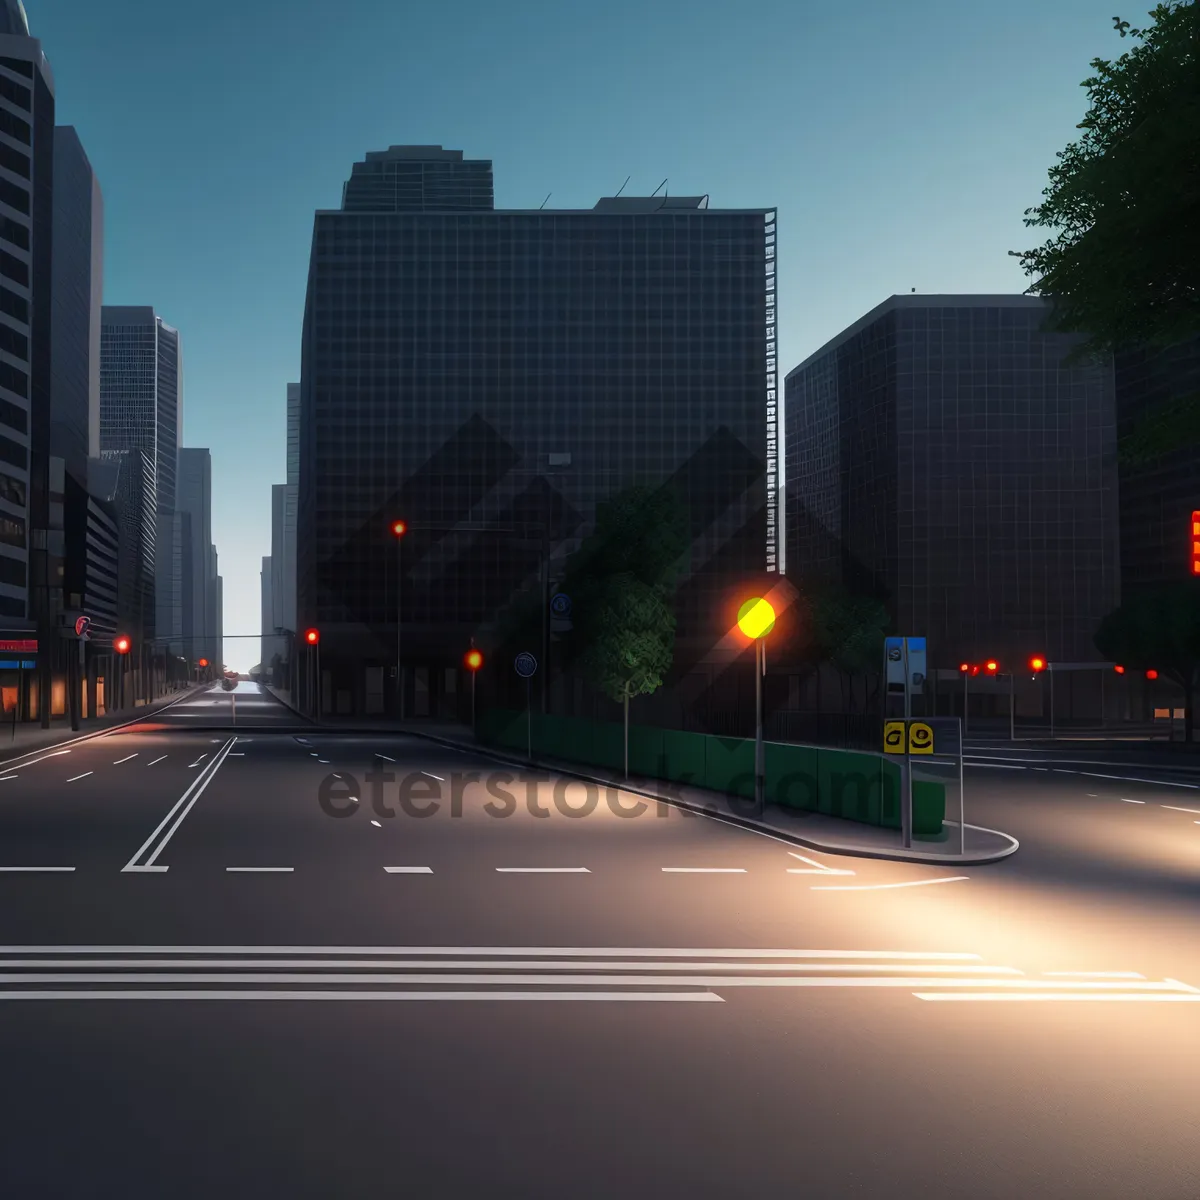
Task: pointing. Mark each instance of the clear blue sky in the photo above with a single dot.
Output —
(901, 144)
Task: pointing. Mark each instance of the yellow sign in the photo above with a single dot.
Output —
(893, 737)
(920, 738)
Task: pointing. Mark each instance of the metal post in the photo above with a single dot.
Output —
(1051, 673)
(399, 617)
(906, 768)
(546, 604)
(966, 697)
(759, 789)
(962, 806)
(473, 733)
(529, 716)
(1012, 706)
(320, 686)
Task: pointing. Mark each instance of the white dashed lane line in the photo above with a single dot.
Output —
(126, 759)
(156, 760)
(83, 776)
(704, 870)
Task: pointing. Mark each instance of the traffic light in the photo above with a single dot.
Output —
(202, 663)
(474, 660)
(964, 667)
(121, 644)
(1152, 674)
(1196, 543)
(1119, 670)
(399, 528)
(991, 666)
(1037, 663)
(312, 636)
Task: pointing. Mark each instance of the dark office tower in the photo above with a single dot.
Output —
(125, 480)
(77, 295)
(1158, 495)
(941, 454)
(489, 377)
(140, 397)
(26, 230)
(194, 498)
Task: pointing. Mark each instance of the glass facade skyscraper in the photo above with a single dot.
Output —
(490, 376)
(942, 454)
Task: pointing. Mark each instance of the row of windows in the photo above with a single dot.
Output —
(16, 129)
(14, 453)
(14, 232)
(16, 93)
(14, 268)
(20, 65)
(14, 196)
(13, 305)
(13, 160)
(12, 490)
(11, 414)
(12, 572)
(12, 531)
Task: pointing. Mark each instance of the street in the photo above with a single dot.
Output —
(244, 957)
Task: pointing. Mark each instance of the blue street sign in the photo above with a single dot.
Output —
(560, 606)
(525, 664)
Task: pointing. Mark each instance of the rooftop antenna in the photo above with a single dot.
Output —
(622, 187)
(543, 203)
(659, 188)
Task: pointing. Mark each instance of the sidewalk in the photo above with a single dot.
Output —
(30, 736)
(816, 831)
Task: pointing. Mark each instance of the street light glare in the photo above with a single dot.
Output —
(399, 528)
(756, 618)
(474, 660)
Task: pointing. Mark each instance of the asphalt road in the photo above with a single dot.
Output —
(239, 960)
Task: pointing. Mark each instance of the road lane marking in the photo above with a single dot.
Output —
(409, 870)
(237, 754)
(35, 870)
(119, 761)
(1173, 808)
(182, 807)
(83, 776)
(44, 758)
(337, 777)
(156, 760)
(817, 871)
(556, 997)
(1062, 997)
(385, 757)
(543, 870)
(199, 760)
(821, 868)
(1185, 986)
(504, 952)
(704, 870)
(265, 870)
(1093, 975)
(10, 777)
(1124, 801)
(433, 776)
(375, 823)
(879, 887)
(324, 761)
(995, 766)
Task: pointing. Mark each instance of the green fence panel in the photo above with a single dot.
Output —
(729, 765)
(793, 776)
(929, 807)
(609, 745)
(645, 751)
(683, 755)
(852, 786)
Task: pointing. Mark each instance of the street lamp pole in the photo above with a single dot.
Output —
(760, 669)
(399, 529)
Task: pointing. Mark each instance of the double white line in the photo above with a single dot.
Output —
(146, 857)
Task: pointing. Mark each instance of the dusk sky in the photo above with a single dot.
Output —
(900, 143)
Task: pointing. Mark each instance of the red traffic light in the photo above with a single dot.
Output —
(474, 660)
(121, 644)
(992, 666)
(202, 663)
(964, 667)
(1119, 670)
(312, 636)
(399, 528)
(1037, 663)
(1152, 674)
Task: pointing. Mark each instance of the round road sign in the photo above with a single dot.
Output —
(560, 606)
(82, 625)
(525, 664)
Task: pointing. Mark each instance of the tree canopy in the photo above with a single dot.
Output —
(848, 629)
(1158, 630)
(1123, 265)
(630, 638)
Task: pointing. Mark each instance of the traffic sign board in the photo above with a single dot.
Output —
(560, 605)
(83, 628)
(894, 738)
(525, 664)
(920, 738)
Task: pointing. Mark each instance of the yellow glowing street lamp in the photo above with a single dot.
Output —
(756, 618)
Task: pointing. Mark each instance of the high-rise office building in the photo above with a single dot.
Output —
(26, 224)
(125, 479)
(941, 454)
(491, 375)
(194, 499)
(1159, 495)
(267, 644)
(140, 409)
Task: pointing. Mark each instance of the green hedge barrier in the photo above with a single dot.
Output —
(839, 783)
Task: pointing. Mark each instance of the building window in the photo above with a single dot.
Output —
(16, 129)
(12, 490)
(12, 531)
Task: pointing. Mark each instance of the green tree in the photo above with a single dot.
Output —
(848, 630)
(630, 642)
(1159, 630)
(1123, 265)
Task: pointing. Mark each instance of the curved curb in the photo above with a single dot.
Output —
(748, 823)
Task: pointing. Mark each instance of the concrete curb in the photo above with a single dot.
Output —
(749, 823)
(145, 712)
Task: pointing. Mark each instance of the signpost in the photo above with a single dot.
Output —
(526, 666)
(933, 735)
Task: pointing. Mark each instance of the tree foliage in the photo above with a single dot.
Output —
(1123, 265)
(848, 629)
(630, 638)
(1158, 630)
